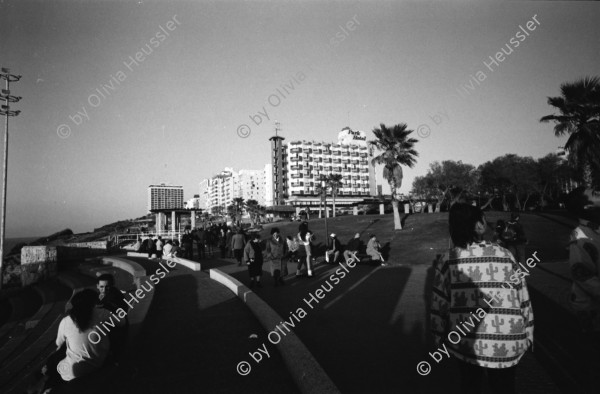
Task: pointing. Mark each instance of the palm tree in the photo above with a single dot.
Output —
(579, 108)
(218, 211)
(321, 191)
(397, 149)
(238, 202)
(334, 182)
(232, 211)
(253, 209)
(261, 211)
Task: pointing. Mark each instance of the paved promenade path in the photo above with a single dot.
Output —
(370, 331)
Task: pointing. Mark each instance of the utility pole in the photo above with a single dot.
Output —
(5, 110)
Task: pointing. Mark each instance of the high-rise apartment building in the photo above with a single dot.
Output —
(204, 194)
(193, 203)
(221, 189)
(165, 196)
(251, 185)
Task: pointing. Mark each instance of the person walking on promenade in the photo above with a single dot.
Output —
(254, 259)
(150, 247)
(336, 250)
(472, 296)
(352, 249)
(228, 236)
(514, 237)
(292, 247)
(111, 299)
(238, 241)
(305, 236)
(276, 251)
(188, 245)
(584, 261)
(222, 241)
(373, 249)
(159, 246)
(200, 242)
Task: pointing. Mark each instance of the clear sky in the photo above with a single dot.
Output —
(97, 128)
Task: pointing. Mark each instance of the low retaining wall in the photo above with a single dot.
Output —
(40, 263)
(304, 368)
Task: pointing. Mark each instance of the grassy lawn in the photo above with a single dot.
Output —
(426, 235)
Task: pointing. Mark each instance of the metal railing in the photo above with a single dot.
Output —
(118, 239)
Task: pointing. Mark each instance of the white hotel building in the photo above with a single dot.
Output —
(298, 165)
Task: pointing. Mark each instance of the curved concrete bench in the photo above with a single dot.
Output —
(193, 265)
(136, 270)
(304, 368)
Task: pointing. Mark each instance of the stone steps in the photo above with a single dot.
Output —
(15, 341)
(24, 364)
(30, 341)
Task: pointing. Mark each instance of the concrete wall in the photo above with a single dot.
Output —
(38, 263)
(72, 255)
(90, 245)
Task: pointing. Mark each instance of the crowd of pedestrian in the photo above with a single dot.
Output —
(199, 242)
(299, 249)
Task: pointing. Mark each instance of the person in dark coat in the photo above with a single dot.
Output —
(352, 249)
(222, 240)
(111, 299)
(188, 245)
(254, 259)
(200, 241)
(150, 247)
(228, 236)
(276, 251)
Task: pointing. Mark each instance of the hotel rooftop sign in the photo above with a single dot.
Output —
(350, 137)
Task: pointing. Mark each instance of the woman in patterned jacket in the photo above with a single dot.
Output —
(480, 312)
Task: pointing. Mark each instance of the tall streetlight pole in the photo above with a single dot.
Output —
(5, 111)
